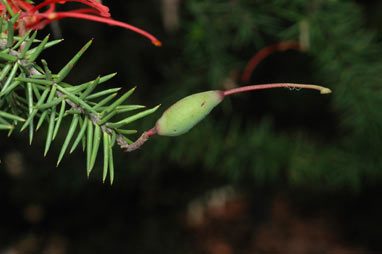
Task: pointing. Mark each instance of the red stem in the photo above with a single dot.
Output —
(152, 131)
(263, 53)
(140, 141)
(86, 10)
(109, 21)
(243, 89)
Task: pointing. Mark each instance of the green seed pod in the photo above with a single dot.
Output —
(187, 112)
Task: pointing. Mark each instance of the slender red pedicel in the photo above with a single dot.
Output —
(60, 15)
(263, 53)
(323, 90)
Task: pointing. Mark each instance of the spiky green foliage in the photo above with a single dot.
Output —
(31, 95)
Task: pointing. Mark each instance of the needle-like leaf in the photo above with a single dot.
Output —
(27, 45)
(21, 40)
(129, 141)
(90, 88)
(104, 101)
(118, 102)
(89, 146)
(5, 127)
(106, 154)
(39, 49)
(8, 57)
(47, 45)
(41, 120)
(132, 118)
(107, 117)
(80, 134)
(5, 70)
(35, 81)
(79, 88)
(102, 93)
(69, 136)
(10, 34)
(50, 104)
(9, 9)
(29, 94)
(48, 73)
(10, 88)
(45, 112)
(59, 119)
(11, 76)
(36, 91)
(96, 142)
(77, 100)
(34, 111)
(113, 138)
(69, 66)
(126, 131)
(11, 116)
(50, 130)
(111, 165)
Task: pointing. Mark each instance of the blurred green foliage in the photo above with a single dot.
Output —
(298, 138)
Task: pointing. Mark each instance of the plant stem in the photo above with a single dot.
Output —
(264, 53)
(323, 90)
(140, 141)
(152, 131)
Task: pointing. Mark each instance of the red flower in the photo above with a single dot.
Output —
(33, 18)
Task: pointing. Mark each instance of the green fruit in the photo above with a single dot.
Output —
(187, 112)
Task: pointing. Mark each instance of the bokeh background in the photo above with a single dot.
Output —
(274, 171)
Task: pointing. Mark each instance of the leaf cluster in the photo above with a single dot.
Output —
(32, 95)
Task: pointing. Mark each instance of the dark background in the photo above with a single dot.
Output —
(266, 172)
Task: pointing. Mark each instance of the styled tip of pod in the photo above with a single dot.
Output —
(325, 91)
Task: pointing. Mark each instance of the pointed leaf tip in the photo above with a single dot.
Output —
(85, 47)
